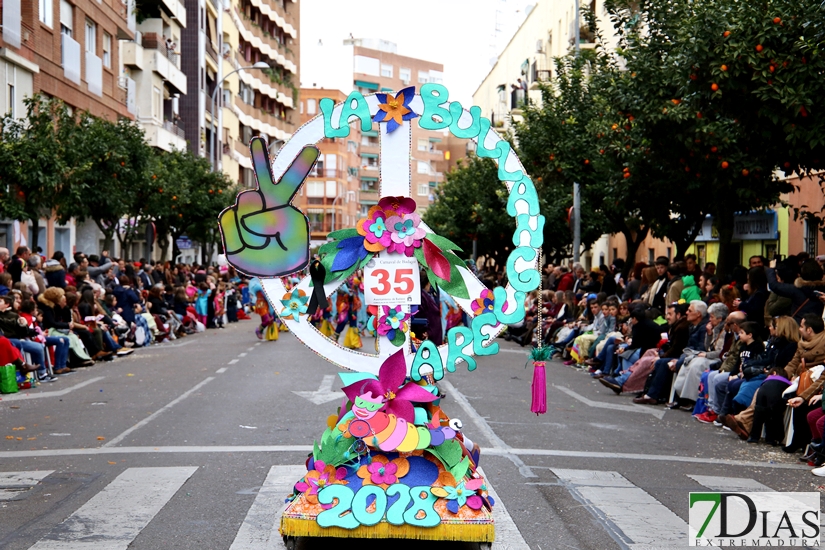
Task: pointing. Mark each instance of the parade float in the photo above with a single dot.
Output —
(389, 463)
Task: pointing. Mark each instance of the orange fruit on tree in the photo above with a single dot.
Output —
(724, 68)
(676, 101)
(601, 151)
(615, 127)
(726, 34)
(714, 149)
(759, 47)
(626, 175)
(586, 161)
(772, 68)
(714, 87)
(777, 20)
(745, 172)
(725, 164)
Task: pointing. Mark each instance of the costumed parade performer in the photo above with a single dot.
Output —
(389, 462)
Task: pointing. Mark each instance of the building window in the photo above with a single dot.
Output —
(310, 106)
(423, 189)
(650, 256)
(91, 37)
(404, 74)
(302, 107)
(386, 70)
(157, 103)
(46, 14)
(315, 188)
(10, 101)
(423, 145)
(423, 77)
(423, 167)
(66, 18)
(107, 50)
(811, 238)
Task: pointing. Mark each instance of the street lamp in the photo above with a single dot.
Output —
(213, 157)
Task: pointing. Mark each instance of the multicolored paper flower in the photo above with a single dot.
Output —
(383, 472)
(295, 304)
(484, 303)
(391, 384)
(460, 494)
(374, 229)
(319, 477)
(406, 233)
(394, 110)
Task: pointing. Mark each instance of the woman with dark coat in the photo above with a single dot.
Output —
(127, 298)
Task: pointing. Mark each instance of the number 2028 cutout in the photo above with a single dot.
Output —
(392, 281)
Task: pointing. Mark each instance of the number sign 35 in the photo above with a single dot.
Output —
(414, 506)
(392, 282)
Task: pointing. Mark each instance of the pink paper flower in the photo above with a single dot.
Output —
(319, 477)
(406, 233)
(383, 472)
(484, 303)
(397, 205)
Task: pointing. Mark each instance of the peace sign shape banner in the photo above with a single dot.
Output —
(390, 463)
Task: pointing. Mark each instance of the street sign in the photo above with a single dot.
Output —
(392, 281)
(183, 242)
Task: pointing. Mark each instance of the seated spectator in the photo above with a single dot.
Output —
(810, 352)
(5, 283)
(757, 296)
(717, 342)
(52, 305)
(619, 354)
(56, 271)
(696, 319)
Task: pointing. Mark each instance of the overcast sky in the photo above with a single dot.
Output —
(460, 34)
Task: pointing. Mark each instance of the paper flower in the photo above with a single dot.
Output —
(374, 229)
(319, 477)
(406, 233)
(397, 205)
(394, 110)
(381, 471)
(484, 303)
(295, 304)
(390, 384)
(460, 494)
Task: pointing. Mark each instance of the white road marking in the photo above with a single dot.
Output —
(116, 515)
(507, 534)
(633, 517)
(259, 530)
(232, 362)
(324, 392)
(485, 428)
(13, 483)
(58, 393)
(157, 413)
(250, 349)
(646, 409)
(242, 354)
(491, 451)
(220, 370)
(258, 344)
(519, 351)
(730, 484)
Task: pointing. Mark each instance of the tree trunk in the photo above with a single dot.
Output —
(633, 242)
(108, 235)
(682, 245)
(35, 230)
(724, 222)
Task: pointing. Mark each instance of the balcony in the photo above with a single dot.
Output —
(263, 122)
(266, 44)
(127, 87)
(275, 17)
(163, 61)
(131, 53)
(11, 23)
(327, 173)
(94, 74)
(164, 136)
(175, 10)
(70, 58)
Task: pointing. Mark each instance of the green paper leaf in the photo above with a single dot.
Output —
(454, 260)
(399, 339)
(342, 234)
(460, 469)
(449, 453)
(328, 248)
(442, 242)
(334, 449)
(456, 286)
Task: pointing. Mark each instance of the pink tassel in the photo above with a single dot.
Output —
(539, 405)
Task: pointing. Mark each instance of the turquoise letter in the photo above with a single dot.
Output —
(361, 110)
(523, 224)
(434, 95)
(456, 110)
(433, 359)
(512, 317)
(456, 353)
(479, 321)
(528, 279)
(526, 191)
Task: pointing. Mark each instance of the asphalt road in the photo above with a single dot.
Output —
(217, 418)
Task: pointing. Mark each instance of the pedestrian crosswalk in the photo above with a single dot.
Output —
(116, 515)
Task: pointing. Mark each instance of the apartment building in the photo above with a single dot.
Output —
(377, 67)
(67, 50)
(221, 43)
(333, 191)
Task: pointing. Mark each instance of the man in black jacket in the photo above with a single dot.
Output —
(645, 335)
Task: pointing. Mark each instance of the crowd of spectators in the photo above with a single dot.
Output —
(743, 352)
(61, 314)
